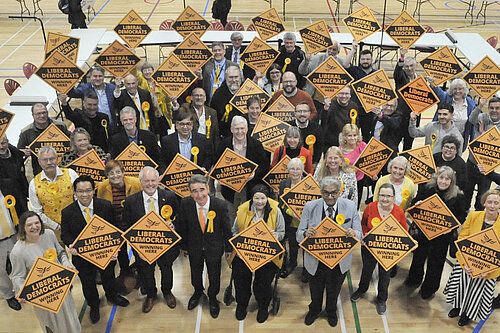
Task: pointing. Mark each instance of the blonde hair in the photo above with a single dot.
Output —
(324, 170)
(349, 128)
(453, 190)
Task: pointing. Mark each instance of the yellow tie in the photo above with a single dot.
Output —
(201, 218)
(142, 123)
(216, 79)
(151, 204)
(87, 214)
(5, 226)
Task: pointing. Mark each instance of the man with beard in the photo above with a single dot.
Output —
(308, 128)
(215, 70)
(290, 57)
(338, 115)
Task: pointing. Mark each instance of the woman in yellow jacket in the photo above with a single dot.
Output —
(472, 298)
(261, 207)
(115, 189)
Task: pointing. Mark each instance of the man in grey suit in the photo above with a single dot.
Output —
(330, 205)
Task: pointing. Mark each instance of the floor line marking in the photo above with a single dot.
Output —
(354, 307)
(241, 326)
(341, 315)
(111, 318)
(100, 9)
(154, 8)
(375, 284)
(206, 6)
(14, 35)
(200, 305)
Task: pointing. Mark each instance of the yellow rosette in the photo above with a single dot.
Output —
(353, 114)
(310, 141)
(228, 108)
(52, 188)
(341, 187)
(285, 190)
(145, 107)
(50, 254)
(405, 194)
(104, 123)
(375, 221)
(208, 123)
(10, 202)
(287, 62)
(195, 151)
(303, 159)
(347, 160)
(210, 216)
(122, 203)
(188, 99)
(340, 219)
(143, 148)
(166, 212)
(433, 138)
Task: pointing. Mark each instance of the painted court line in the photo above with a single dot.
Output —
(341, 315)
(200, 305)
(100, 9)
(206, 6)
(241, 326)
(14, 35)
(354, 307)
(110, 320)
(154, 8)
(374, 285)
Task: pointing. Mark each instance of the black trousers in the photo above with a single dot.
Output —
(434, 251)
(196, 261)
(147, 272)
(369, 263)
(123, 260)
(293, 247)
(483, 184)
(332, 280)
(87, 273)
(262, 283)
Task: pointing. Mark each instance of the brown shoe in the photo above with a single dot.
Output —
(148, 304)
(170, 300)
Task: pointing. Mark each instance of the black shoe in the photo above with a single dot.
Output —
(14, 304)
(332, 320)
(305, 276)
(454, 313)
(284, 273)
(381, 307)
(94, 314)
(410, 283)
(426, 294)
(356, 296)
(241, 312)
(143, 291)
(496, 303)
(194, 300)
(262, 315)
(394, 271)
(464, 320)
(119, 300)
(310, 318)
(214, 308)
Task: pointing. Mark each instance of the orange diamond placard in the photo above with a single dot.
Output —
(132, 29)
(361, 23)
(47, 284)
(405, 30)
(330, 244)
(441, 65)
(282, 109)
(256, 245)
(173, 76)
(178, 173)
(277, 173)
(248, 89)
(316, 37)
(67, 45)
(5, 120)
(151, 236)
(418, 95)
(134, 159)
(422, 164)
(268, 24)
(304, 191)
(389, 242)
(486, 149)
(59, 72)
(52, 136)
(117, 59)
(433, 217)
(190, 21)
(89, 164)
(233, 170)
(329, 78)
(373, 158)
(193, 52)
(259, 55)
(98, 242)
(481, 251)
(484, 78)
(270, 132)
(374, 90)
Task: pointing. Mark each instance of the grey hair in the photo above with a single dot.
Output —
(459, 82)
(197, 179)
(295, 161)
(238, 120)
(78, 130)
(236, 35)
(290, 36)
(330, 181)
(234, 68)
(46, 149)
(148, 168)
(410, 59)
(127, 109)
(336, 44)
(402, 160)
(214, 44)
(453, 190)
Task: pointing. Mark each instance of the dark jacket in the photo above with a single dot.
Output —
(221, 98)
(248, 72)
(120, 141)
(170, 147)
(296, 58)
(84, 89)
(13, 179)
(144, 96)
(390, 134)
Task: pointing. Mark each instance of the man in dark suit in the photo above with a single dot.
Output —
(205, 229)
(183, 140)
(131, 133)
(74, 219)
(214, 71)
(234, 51)
(135, 207)
(137, 98)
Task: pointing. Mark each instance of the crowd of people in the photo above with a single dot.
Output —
(135, 109)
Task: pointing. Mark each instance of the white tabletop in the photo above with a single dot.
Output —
(88, 41)
(474, 47)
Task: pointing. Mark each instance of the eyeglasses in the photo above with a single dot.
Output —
(84, 191)
(113, 173)
(302, 111)
(40, 113)
(450, 148)
(289, 82)
(385, 196)
(185, 124)
(330, 194)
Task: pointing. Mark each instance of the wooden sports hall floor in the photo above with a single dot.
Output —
(407, 312)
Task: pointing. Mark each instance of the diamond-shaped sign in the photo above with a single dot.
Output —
(52, 136)
(329, 78)
(117, 59)
(173, 76)
(132, 29)
(486, 148)
(316, 37)
(67, 45)
(178, 173)
(233, 170)
(282, 109)
(151, 236)
(268, 24)
(304, 191)
(484, 78)
(373, 158)
(259, 55)
(389, 242)
(98, 242)
(190, 21)
(480, 251)
(418, 95)
(90, 165)
(405, 30)
(134, 159)
(47, 284)
(5, 120)
(59, 72)
(256, 245)
(269, 131)
(193, 52)
(277, 173)
(248, 89)
(441, 65)
(433, 217)
(361, 23)
(330, 244)
(422, 164)
(374, 90)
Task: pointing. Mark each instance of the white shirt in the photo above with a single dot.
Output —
(90, 206)
(202, 119)
(325, 208)
(206, 208)
(146, 201)
(460, 115)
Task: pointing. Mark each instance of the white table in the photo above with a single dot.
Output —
(89, 38)
(474, 47)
